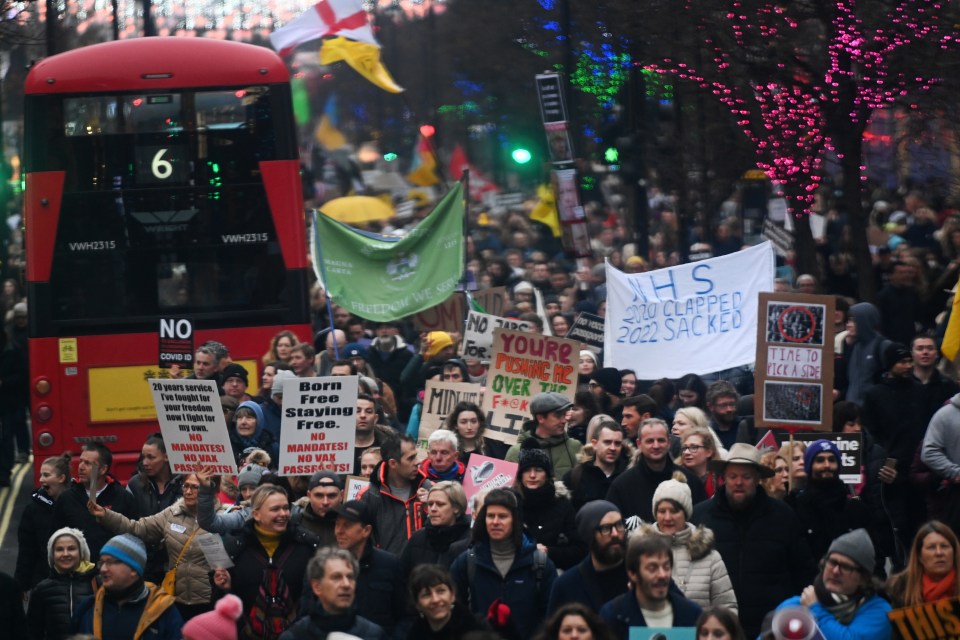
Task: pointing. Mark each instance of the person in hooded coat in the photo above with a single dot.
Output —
(860, 366)
(250, 432)
(72, 578)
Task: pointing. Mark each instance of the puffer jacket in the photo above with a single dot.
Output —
(550, 519)
(36, 525)
(54, 600)
(698, 569)
(172, 527)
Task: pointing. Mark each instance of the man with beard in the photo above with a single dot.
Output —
(758, 537)
(825, 506)
(722, 402)
(601, 576)
(650, 602)
(843, 597)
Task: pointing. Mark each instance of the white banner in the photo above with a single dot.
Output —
(192, 424)
(318, 427)
(478, 333)
(693, 318)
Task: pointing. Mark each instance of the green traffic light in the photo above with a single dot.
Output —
(390, 156)
(611, 154)
(521, 156)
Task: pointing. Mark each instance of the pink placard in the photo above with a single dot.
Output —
(485, 473)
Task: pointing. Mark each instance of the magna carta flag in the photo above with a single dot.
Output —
(326, 18)
(383, 278)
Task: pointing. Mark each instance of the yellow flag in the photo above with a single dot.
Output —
(363, 57)
(545, 210)
(951, 338)
(329, 136)
(424, 174)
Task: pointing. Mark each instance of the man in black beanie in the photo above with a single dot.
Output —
(601, 576)
(605, 385)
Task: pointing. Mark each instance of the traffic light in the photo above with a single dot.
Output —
(390, 156)
(521, 155)
(427, 130)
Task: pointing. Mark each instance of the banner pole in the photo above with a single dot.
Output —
(323, 277)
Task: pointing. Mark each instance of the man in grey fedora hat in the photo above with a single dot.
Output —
(759, 538)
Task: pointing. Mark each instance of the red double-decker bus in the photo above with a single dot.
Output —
(162, 182)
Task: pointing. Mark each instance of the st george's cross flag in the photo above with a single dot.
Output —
(326, 18)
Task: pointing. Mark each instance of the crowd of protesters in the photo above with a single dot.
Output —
(639, 503)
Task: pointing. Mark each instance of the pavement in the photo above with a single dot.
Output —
(12, 501)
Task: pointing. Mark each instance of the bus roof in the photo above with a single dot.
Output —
(156, 63)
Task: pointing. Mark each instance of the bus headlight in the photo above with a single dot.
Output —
(42, 386)
(44, 413)
(45, 439)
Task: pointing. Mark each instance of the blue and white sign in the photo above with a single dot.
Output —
(693, 318)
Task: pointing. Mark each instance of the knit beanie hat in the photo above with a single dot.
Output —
(437, 340)
(256, 409)
(590, 515)
(819, 446)
(278, 380)
(250, 474)
(608, 378)
(219, 624)
(531, 455)
(234, 370)
(586, 353)
(894, 353)
(128, 549)
(77, 535)
(678, 492)
(857, 546)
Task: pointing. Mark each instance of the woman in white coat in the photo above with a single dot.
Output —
(698, 568)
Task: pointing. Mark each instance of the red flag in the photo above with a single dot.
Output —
(479, 184)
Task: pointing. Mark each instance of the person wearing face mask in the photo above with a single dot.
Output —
(269, 565)
(72, 578)
(446, 532)
(548, 515)
(434, 597)
(36, 520)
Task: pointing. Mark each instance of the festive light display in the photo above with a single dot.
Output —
(798, 76)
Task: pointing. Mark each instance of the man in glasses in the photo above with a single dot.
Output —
(843, 597)
(547, 428)
(601, 576)
(722, 402)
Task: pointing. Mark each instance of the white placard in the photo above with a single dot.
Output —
(213, 550)
(318, 425)
(478, 333)
(693, 318)
(192, 424)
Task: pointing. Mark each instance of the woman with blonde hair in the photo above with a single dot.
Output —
(792, 453)
(697, 448)
(280, 346)
(775, 486)
(932, 569)
(687, 418)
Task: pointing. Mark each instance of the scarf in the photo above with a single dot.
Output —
(540, 498)
(130, 594)
(269, 540)
(841, 607)
(945, 587)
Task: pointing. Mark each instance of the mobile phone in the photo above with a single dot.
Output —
(890, 462)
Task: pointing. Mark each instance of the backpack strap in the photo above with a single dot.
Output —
(539, 567)
(471, 573)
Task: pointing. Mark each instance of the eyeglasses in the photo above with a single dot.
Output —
(692, 448)
(190, 487)
(842, 567)
(593, 385)
(607, 529)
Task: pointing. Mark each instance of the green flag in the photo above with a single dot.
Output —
(381, 278)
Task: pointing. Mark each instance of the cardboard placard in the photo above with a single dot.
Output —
(484, 474)
(446, 316)
(355, 486)
(192, 424)
(318, 426)
(794, 364)
(493, 300)
(524, 365)
(478, 334)
(928, 621)
(439, 399)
